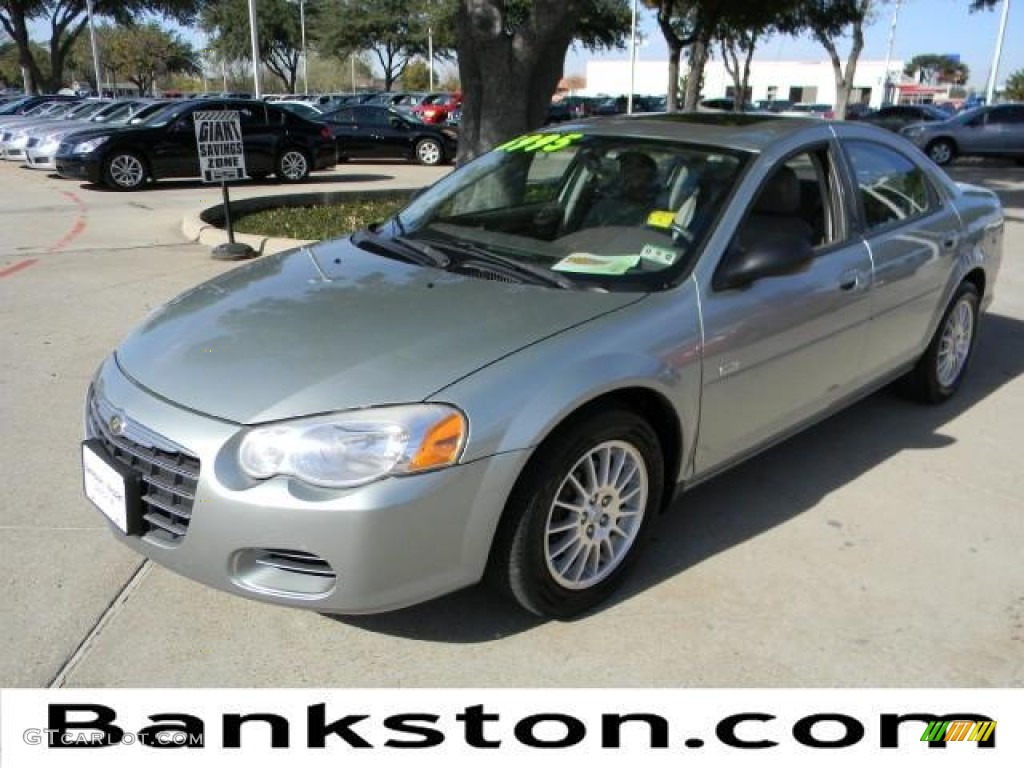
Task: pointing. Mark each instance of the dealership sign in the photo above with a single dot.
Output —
(221, 156)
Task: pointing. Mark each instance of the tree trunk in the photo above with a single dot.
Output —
(698, 58)
(675, 53)
(17, 28)
(508, 76)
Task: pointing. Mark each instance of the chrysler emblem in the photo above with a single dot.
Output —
(116, 425)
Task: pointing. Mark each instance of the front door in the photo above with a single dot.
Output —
(782, 349)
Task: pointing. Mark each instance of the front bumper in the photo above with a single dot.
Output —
(379, 547)
(43, 157)
(83, 167)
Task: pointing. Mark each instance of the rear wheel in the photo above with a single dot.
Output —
(429, 152)
(941, 151)
(579, 515)
(292, 166)
(124, 171)
(941, 369)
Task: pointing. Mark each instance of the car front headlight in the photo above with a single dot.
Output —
(86, 147)
(343, 450)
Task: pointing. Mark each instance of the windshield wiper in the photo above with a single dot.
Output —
(539, 275)
(402, 247)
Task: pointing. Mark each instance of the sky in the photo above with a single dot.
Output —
(923, 26)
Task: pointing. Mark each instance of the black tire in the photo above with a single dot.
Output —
(292, 165)
(932, 381)
(125, 171)
(429, 152)
(941, 151)
(611, 525)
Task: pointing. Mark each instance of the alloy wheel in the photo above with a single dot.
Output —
(955, 343)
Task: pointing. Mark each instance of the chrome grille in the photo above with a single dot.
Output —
(169, 474)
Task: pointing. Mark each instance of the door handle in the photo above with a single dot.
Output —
(853, 280)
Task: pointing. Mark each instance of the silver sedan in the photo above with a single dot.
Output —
(511, 378)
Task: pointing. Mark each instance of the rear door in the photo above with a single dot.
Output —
(913, 234)
(259, 135)
(175, 151)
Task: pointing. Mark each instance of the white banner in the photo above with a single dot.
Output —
(593, 727)
(221, 153)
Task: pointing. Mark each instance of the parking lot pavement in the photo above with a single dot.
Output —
(880, 548)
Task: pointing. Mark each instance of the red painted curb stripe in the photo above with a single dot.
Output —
(17, 267)
(76, 230)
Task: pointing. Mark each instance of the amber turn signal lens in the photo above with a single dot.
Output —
(441, 444)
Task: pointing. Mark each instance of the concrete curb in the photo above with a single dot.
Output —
(205, 225)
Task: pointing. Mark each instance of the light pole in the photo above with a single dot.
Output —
(430, 57)
(305, 60)
(95, 51)
(254, 36)
(990, 92)
(632, 62)
(888, 53)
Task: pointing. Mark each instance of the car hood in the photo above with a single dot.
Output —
(332, 327)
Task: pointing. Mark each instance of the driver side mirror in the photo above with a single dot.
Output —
(770, 255)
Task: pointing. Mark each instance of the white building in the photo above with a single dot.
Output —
(798, 81)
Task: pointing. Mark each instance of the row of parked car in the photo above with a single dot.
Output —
(124, 144)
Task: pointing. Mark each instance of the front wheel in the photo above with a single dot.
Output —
(942, 152)
(429, 152)
(579, 515)
(293, 166)
(124, 171)
(939, 372)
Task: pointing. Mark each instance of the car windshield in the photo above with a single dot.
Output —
(167, 115)
(935, 113)
(585, 210)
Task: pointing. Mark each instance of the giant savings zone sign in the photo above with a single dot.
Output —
(221, 154)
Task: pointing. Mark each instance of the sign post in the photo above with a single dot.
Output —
(222, 159)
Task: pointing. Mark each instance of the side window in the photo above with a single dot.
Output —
(796, 198)
(892, 188)
(373, 116)
(1011, 115)
(347, 116)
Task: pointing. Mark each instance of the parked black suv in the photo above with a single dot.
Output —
(275, 141)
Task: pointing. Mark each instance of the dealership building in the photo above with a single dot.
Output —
(797, 81)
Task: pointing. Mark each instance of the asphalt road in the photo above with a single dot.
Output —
(880, 548)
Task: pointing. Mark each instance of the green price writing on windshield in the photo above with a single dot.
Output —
(544, 142)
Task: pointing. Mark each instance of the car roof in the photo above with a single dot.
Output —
(752, 132)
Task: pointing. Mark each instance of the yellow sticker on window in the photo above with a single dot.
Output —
(544, 142)
(660, 219)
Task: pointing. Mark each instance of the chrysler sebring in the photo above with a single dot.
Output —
(509, 379)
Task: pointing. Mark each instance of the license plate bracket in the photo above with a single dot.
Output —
(115, 490)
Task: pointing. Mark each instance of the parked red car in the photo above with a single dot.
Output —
(437, 107)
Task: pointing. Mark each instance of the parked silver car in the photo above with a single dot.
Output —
(996, 131)
(513, 376)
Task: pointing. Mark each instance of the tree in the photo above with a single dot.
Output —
(828, 21)
(393, 31)
(280, 34)
(1015, 86)
(738, 46)
(67, 20)
(935, 68)
(511, 56)
(416, 76)
(144, 53)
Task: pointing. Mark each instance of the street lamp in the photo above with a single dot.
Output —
(302, 28)
(990, 92)
(254, 37)
(95, 50)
